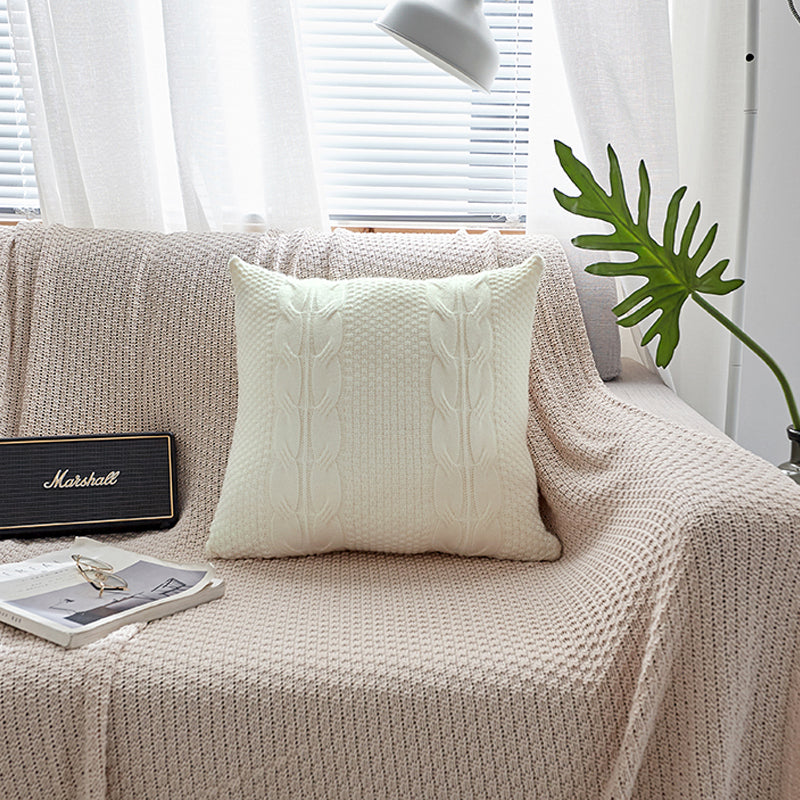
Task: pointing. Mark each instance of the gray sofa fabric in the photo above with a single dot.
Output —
(597, 296)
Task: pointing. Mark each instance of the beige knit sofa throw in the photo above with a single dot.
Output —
(657, 658)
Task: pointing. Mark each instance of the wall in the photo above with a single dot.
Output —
(772, 290)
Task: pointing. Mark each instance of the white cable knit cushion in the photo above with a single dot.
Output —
(382, 414)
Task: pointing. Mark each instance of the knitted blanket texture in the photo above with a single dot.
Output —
(659, 657)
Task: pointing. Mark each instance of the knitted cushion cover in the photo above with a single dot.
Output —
(382, 414)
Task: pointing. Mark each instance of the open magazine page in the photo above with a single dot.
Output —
(51, 589)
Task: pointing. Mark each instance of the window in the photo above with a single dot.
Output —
(18, 193)
(401, 141)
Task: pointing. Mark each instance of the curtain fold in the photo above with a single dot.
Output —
(185, 114)
(618, 62)
(708, 43)
(612, 68)
(663, 81)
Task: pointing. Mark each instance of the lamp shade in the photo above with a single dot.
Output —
(453, 34)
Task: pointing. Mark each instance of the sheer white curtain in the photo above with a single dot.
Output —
(708, 45)
(662, 81)
(181, 114)
(612, 71)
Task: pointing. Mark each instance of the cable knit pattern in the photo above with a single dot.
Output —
(466, 485)
(304, 483)
(367, 407)
(657, 659)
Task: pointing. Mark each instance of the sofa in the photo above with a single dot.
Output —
(657, 657)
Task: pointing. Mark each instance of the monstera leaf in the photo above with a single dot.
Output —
(672, 273)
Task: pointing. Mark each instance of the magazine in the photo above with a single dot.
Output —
(70, 598)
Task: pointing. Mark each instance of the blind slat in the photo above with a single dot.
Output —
(399, 137)
(17, 181)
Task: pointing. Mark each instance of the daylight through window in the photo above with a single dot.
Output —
(401, 141)
(18, 193)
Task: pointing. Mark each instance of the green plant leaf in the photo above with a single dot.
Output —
(672, 273)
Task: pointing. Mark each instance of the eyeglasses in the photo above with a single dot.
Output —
(99, 574)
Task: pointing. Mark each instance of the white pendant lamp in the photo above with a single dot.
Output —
(453, 34)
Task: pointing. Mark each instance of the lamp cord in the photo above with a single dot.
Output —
(793, 10)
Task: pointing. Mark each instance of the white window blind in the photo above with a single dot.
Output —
(18, 193)
(402, 141)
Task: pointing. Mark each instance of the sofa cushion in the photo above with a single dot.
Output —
(382, 414)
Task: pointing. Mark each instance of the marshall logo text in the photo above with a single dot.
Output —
(61, 481)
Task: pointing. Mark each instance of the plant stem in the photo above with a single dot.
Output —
(759, 351)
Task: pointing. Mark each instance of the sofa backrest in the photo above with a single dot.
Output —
(596, 295)
(114, 331)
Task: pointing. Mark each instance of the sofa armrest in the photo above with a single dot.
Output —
(638, 386)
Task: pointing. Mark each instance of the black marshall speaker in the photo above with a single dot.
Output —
(77, 484)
